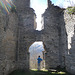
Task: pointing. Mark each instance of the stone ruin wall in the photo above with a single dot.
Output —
(8, 38)
(56, 44)
(17, 34)
(9, 41)
(26, 37)
(70, 53)
(65, 23)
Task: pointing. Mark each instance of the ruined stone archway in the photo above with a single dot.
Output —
(36, 49)
(52, 36)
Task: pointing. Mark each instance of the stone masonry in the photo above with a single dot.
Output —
(70, 53)
(17, 34)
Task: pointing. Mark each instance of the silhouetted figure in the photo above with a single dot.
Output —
(39, 61)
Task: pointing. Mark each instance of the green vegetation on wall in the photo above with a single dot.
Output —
(71, 10)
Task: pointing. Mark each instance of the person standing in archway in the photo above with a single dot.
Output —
(39, 61)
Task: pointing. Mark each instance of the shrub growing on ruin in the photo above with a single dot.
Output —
(71, 10)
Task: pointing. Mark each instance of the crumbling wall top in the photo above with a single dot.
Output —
(21, 4)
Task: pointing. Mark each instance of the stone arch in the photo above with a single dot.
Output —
(43, 52)
(29, 44)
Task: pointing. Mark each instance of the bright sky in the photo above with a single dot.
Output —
(40, 6)
(65, 3)
(37, 45)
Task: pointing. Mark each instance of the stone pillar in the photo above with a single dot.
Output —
(70, 52)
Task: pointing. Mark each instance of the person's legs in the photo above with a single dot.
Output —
(38, 66)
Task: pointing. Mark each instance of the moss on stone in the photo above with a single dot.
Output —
(71, 10)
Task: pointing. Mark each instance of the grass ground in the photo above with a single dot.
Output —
(36, 72)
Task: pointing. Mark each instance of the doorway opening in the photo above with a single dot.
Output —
(35, 50)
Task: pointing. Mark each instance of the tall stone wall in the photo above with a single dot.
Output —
(70, 53)
(17, 34)
(2, 52)
(63, 39)
(26, 36)
(53, 35)
(8, 38)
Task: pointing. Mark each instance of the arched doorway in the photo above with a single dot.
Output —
(35, 50)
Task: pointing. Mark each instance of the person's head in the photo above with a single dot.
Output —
(39, 56)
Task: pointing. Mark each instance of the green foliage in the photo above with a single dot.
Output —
(71, 10)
